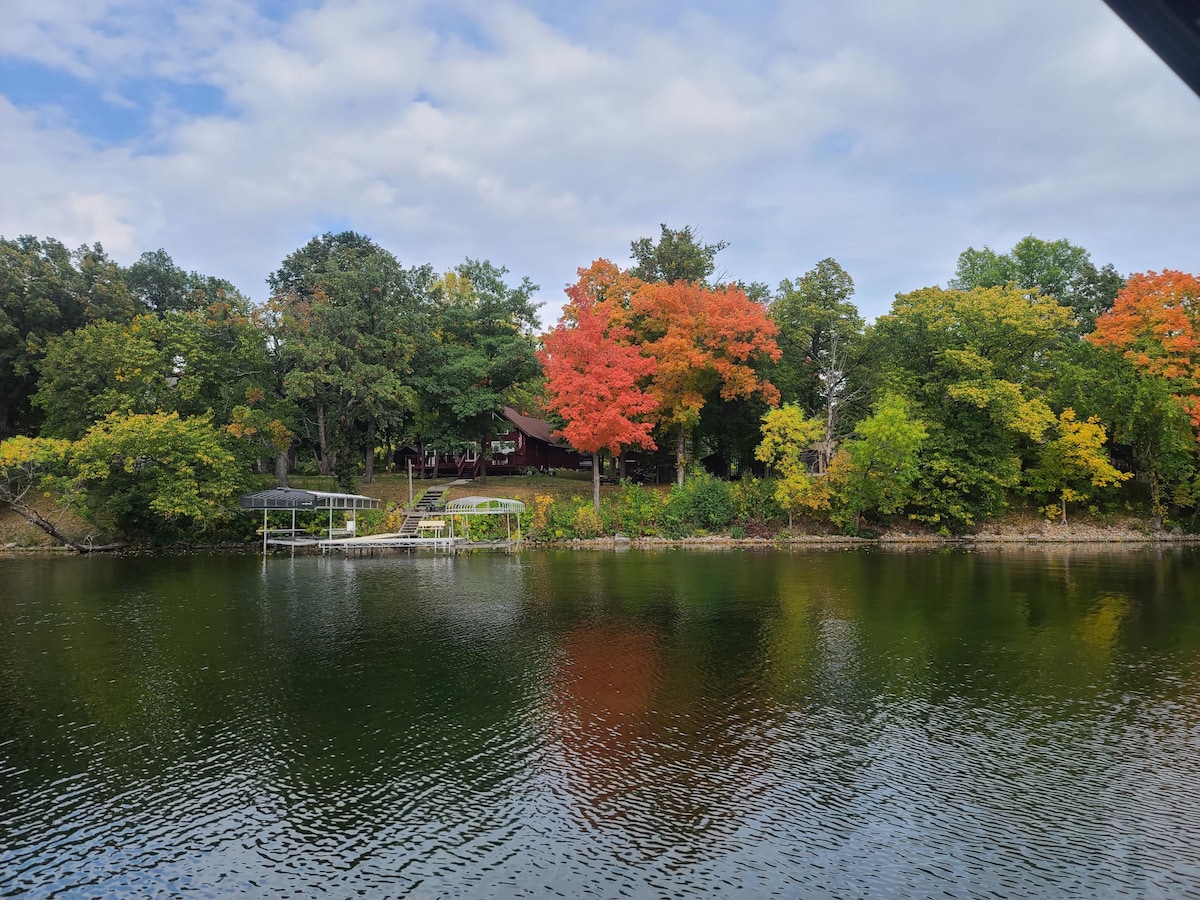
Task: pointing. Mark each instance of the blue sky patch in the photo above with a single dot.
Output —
(284, 10)
(449, 22)
(87, 107)
(836, 145)
(30, 86)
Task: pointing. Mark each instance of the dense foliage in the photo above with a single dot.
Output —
(149, 396)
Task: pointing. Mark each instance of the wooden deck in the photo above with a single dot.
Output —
(374, 542)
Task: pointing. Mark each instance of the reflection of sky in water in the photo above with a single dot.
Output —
(649, 724)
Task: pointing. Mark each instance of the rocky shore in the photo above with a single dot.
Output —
(1012, 535)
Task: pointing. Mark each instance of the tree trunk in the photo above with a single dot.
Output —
(281, 468)
(827, 445)
(324, 466)
(483, 460)
(369, 461)
(1064, 510)
(1156, 502)
(34, 518)
(680, 456)
(596, 481)
(622, 466)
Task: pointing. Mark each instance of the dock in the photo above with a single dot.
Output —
(395, 541)
(429, 525)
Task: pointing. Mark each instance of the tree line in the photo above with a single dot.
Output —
(150, 396)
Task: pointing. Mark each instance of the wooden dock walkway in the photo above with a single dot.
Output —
(395, 541)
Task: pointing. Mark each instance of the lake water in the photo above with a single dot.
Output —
(602, 724)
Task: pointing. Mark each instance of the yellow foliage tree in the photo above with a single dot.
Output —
(26, 464)
(1074, 464)
(786, 435)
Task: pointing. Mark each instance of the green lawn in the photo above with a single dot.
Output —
(394, 488)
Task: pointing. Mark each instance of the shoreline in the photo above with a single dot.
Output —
(1083, 536)
(883, 542)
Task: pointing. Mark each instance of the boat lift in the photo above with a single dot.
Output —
(295, 499)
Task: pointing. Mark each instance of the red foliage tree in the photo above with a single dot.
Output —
(594, 376)
(703, 340)
(1155, 322)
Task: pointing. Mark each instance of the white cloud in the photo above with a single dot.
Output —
(889, 136)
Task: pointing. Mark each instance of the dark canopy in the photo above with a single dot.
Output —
(293, 498)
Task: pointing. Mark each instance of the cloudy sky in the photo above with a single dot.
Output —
(544, 134)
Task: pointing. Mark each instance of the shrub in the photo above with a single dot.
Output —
(560, 520)
(587, 523)
(754, 501)
(381, 521)
(703, 503)
(633, 510)
(537, 521)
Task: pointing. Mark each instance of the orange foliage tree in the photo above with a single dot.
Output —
(1155, 323)
(611, 289)
(703, 339)
(594, 376)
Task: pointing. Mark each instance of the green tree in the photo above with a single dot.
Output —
(677, 256)
(40, 296)
(820, 337)
(47, 291)
(485, 352)
(1141, 412)
(345, 314)
(876, 470)
(147, 478)
(1057, 269)
(160, 286)
(218, 358)
(210, 360)
(100, 369)
(102, 286)
(155, 478)
(972, 362)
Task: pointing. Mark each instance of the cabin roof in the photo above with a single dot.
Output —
(534, 428)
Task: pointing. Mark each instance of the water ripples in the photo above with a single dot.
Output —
(460, 738)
